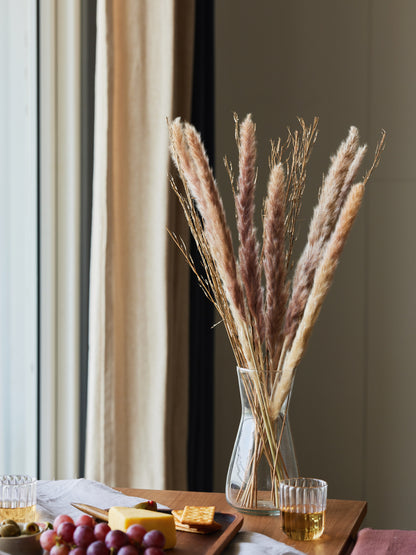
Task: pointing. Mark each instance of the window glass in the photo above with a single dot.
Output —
(18, 237)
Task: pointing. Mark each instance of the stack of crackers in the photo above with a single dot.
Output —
(199, 520)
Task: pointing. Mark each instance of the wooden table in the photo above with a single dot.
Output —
(343, 519)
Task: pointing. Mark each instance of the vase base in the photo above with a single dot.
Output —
(262, 509)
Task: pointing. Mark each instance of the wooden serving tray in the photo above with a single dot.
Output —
(188, 543)
(208, 544)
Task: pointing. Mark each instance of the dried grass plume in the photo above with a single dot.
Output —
(268, 304)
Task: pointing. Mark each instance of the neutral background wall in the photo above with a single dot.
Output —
(350, 63)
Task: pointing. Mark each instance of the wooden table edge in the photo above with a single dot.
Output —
(350, 542)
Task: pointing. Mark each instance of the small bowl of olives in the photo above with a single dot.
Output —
(18, 538)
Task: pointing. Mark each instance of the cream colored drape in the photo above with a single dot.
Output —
(138, 374)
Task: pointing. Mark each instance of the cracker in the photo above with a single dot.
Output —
(208, 529)
(177, 514)
(199, 527)
(198, 516)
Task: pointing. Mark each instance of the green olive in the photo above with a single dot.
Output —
(30, 528)
(7, 521)
(148, 505)
(9, 530)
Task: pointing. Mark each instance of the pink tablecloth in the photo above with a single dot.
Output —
(385, 542)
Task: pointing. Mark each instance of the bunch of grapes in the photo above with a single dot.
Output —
(86, 537)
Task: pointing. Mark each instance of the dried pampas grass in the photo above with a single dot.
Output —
(267, 304)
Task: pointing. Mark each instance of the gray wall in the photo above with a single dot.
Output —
(350, 63)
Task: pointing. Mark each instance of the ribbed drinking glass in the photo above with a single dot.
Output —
(17, 497)
(302, 503)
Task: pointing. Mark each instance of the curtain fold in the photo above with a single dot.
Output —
(138, 354)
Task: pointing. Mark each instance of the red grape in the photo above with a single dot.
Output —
(83, 535)
(78, 551)
(86, 520)
(136, 533)
(154, 538)
(59, 550)
(97, 548)
(61, 518)
(48, 539)
(128, 550)
(116, 539)
(66, 531)
(101, 530)
(153, 551)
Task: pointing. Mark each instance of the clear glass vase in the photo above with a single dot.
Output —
(263, 452)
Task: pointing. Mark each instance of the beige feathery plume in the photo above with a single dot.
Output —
(274, 262)
(322, 282)
(350, 178)
(249, 249)
(212, 211)
(194, 166)
(181, 155)
(334, 189)
(192, 161)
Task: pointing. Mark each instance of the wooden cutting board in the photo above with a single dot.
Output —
(188, 543)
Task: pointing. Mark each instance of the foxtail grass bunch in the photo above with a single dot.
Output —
(268, 302)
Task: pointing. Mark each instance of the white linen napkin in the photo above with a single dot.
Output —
(253, 543)
(54, 497)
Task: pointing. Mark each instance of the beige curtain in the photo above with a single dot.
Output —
(138, 373)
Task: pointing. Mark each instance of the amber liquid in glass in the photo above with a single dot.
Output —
(18, 514)
(303, 526)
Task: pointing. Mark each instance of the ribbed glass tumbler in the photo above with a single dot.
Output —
(302, 503)
(17, 497)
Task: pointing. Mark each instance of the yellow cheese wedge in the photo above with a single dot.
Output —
(120, 518)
